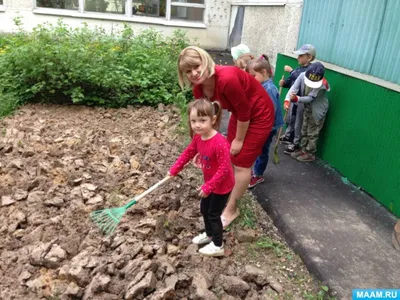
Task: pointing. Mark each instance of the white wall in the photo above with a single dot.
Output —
(214, 34)
(271, 29)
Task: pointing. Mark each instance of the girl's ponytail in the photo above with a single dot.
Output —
(217, 109)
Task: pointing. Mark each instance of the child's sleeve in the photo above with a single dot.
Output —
(184, 158)
(310, 97)
(288, 82)
(294, 89)
(222, 153)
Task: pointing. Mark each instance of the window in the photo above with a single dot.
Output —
(191, 10)
(103, 6)
(185, 10)
(61, 4)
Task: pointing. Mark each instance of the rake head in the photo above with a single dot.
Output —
(108, 219)
(276, 156)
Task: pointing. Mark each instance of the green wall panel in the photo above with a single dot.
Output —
(361, 136)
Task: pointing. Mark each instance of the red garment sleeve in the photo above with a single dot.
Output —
(234, 93)
(185, 157)
(222, 152)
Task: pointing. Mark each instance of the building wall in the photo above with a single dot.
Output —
(360, 134)
(213, 36)
(269, 29)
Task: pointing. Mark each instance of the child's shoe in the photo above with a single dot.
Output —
(284, 140)
(255, 179)
(297, 153)
(289, 149)
(201, 239)
(306, 157)
(212, 250)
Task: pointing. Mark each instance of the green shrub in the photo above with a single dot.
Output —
(90, 66)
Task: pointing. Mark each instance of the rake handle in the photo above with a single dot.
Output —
(145, 193)
(284, 117)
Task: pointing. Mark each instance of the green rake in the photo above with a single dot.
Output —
(108, 219)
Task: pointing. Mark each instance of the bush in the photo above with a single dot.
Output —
(89, 66)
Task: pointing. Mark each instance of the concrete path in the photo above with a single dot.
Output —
(342, 234)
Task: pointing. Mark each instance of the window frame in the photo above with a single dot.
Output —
(261, 2)
(3, 7)
(128, 16)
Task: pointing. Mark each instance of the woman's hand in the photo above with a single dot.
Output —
(236, 147)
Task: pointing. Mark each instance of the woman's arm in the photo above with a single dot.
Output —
(234, 93)
(241, 131)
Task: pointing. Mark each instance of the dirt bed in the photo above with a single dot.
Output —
(59, 163)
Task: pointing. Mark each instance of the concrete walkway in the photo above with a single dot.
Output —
(342, 234)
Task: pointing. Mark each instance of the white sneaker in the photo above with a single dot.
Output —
(212, 250)
(201, 239)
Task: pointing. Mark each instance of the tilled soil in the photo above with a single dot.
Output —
(59, 163)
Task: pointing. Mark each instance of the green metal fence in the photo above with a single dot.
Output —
(361, 135)
(361, 35)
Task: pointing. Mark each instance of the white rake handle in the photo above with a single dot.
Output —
(152, 188)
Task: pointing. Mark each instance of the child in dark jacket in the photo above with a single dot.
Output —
(310, 88)
(306, 54)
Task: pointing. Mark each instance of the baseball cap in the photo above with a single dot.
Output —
(314, 75)
(239, 50)
(306, 49)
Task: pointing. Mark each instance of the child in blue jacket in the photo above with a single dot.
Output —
(261, 70)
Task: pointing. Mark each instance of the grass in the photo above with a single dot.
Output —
(278, 248)
(323, 294)
(247, 217)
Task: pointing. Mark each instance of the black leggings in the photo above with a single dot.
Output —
(211, 209)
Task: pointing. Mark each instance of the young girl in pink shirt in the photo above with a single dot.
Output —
(214, 157)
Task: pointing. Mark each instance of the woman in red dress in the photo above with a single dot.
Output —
(252, 112)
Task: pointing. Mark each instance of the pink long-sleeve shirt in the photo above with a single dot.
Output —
(215, 163)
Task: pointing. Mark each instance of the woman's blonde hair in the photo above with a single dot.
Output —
(205, 108)
(241, 62)
(190, 58)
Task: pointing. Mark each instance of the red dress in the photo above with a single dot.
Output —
(246, 99)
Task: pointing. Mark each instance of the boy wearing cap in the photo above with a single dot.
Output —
(306, 54)
(310, 89)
